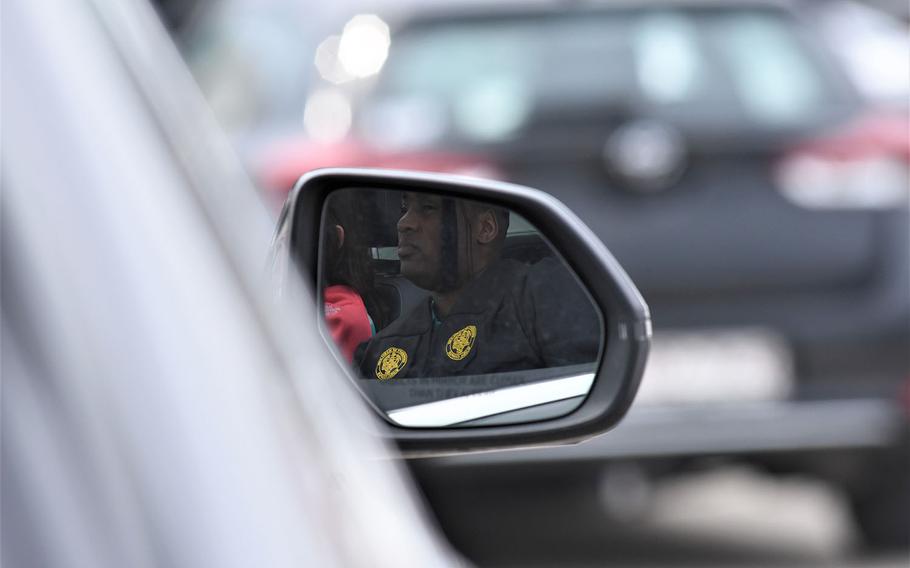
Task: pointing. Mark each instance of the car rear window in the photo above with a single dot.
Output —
(486, 76)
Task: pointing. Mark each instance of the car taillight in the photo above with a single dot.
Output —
(442, 162)
(865, 166)
(281, 163)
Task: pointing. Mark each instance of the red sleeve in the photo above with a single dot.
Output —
(347, 319)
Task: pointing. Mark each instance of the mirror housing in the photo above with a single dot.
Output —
(627, 320)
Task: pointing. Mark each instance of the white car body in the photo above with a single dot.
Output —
(157, 410)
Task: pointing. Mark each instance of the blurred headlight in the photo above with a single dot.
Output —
(364, 45)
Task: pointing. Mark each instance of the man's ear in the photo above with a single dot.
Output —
(487, 227)
(339, 233)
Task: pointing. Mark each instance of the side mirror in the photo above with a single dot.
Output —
(471, 314)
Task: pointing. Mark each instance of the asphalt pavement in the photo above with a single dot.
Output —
(728, 516)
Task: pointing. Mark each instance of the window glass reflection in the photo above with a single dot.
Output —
(418, 285)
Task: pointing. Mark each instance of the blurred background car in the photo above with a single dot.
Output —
(870, 44)
(747, 162)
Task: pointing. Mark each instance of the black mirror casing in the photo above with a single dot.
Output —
(627, 319)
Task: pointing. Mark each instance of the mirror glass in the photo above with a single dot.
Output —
(452, 312)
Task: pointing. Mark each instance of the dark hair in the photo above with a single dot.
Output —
(349, 263)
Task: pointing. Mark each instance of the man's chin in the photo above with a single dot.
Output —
(417, 277)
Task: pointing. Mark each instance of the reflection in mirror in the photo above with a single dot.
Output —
(453, 312)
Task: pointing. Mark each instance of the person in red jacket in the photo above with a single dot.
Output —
(347, 317)
(347, 276)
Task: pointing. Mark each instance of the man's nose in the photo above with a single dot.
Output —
(406, 223)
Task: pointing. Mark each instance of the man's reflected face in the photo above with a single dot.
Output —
(420, 239)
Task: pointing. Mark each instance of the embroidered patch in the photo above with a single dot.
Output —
(390, 363)
(459, 345)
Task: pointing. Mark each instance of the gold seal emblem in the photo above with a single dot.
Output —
(459, 345)
(390, 363)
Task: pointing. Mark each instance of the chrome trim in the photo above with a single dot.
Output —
(460, 409)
